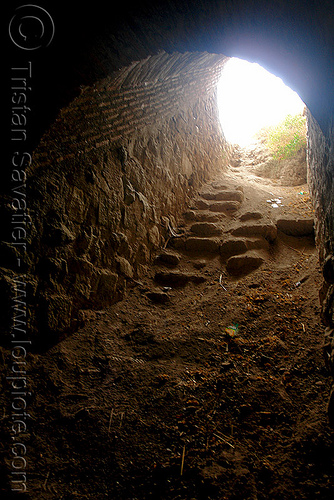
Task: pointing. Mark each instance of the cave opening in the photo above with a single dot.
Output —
(264, 121)
(251, 98)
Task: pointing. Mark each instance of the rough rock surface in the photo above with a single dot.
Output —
(108, 181)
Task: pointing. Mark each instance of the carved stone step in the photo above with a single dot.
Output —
(267, 231)
(233, 246)
(210, 245)
(219, 185)
(201, 216)
(236, 246)
(201, 204)
(244, 263)
(227, 195)
(250, 215)
(205, 229)
(224, 206)
(296, 227)
(168, 258)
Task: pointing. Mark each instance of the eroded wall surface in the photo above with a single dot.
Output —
(321, 180)
(110, 178)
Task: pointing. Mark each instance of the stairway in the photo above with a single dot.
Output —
(216, 226)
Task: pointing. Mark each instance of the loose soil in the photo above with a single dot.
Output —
(153, 399)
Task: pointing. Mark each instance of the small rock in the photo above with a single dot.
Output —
(257, 243)
(154, 236)
(199, 264)
(158, 297)
(58, 236)
(124, 267)
(190, 215)
(178, 243)
(129, 198)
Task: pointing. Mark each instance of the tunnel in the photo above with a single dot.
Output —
(123, 135)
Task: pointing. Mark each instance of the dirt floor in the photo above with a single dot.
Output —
(156, 398)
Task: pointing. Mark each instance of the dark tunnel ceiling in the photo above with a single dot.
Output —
(293, 39)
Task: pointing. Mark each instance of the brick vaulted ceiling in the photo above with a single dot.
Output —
(293, 39)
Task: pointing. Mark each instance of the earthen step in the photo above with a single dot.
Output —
(243, 264)
(227, 195)
(201, 205)
(222, 186)
(200, 216)
(233, 246)
(219, 185)
(177, 278)
(168, 258)
(224, 206)
(205, 229)
(257, 243)
(296, 227)
(250, 215)
(267, 231)
(210, 245)
(236, 246)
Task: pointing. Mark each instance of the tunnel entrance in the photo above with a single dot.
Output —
(195, 316)
(264, 121)
(250, 98)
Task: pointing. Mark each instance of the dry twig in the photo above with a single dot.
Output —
(182, 461)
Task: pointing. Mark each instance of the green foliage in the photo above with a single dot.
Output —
(287, 138)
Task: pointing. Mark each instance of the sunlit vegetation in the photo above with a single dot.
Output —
(287, 138)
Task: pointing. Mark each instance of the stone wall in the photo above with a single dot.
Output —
(321, 180)
(111, 177)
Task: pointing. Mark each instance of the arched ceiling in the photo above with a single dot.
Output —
(294, 39)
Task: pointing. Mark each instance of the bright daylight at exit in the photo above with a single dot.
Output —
(250, 98)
